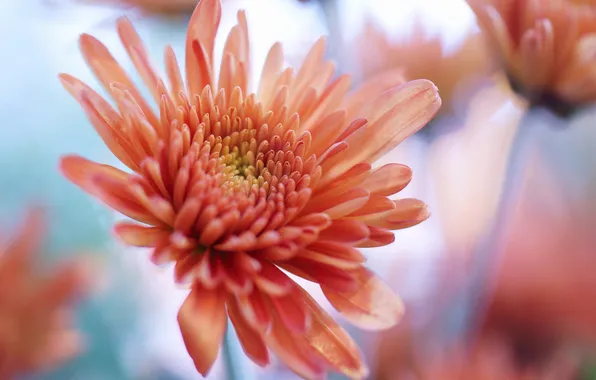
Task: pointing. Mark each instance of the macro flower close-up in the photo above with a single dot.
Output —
(36, 332)
(241, 189)
(547, 47)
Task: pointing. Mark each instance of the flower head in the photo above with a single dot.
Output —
(422, 56)
(35, 331)
(234, 187)
(547, 46)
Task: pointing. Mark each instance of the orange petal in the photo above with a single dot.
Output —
(408, 212)
(108, 71)
(103, 117)
(255, 309)
(371, 89)
(378, 237)
(202, 28)
(107, 183)
(333, 343)
(138, 55)
(376, 207)
(388, 179)
(272, 281)
(395, 115)
(271, 71)
(202, 319)
(140, 236)
(321, 273)
(341, 205)
(372, 306)
(251, 341)
(291, 311)
(294, 351)
(345, 231)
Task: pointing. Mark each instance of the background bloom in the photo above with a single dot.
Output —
(233, 187)
(423, 56)
(546, 46)
(36, 330)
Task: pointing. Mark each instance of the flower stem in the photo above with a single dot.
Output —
(486, 258)
(231, 356)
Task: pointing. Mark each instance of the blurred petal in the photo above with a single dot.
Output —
(373, 306)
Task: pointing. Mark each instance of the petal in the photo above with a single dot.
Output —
(333, 343)
(271, 71)
(376, 207)
(397, 114)
(107, 183)
(105, 120)
(251, 341)
(408, 212)
(272, 281)
(372, 88)
(388, 179)
(140, 236)
(345, 231)
(202, 28)
(378, 237)
(372, 306)
(339, 206)
(108, 71)
(138, 54)
(291, 311)
(294, 351)
(202, 319)
(321, 273)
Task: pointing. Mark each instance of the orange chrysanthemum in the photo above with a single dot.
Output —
(35, 331)
(547, 46)
(235, 187)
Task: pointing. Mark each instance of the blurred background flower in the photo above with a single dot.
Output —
(547, 47)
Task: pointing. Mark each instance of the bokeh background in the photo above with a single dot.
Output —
(510, 188)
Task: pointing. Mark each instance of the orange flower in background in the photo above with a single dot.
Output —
(423, 56)
(546, 46)
(236, 188)
(35, 331)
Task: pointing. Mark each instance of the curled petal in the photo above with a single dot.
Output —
(202, 319)
(378, 237)
(408, 212)
(372, 306)
(388, 179)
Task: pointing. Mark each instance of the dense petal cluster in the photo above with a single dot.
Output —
(35, 331)
(547, 46)
(237, 189)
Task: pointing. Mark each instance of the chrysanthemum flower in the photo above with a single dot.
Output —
(35, 330)
(238, 188)
(423, 56)
(547, 46)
